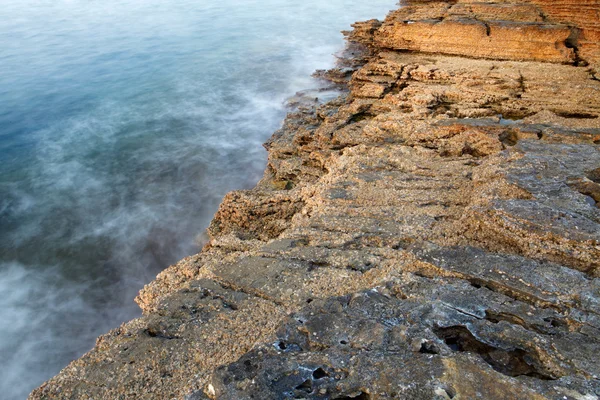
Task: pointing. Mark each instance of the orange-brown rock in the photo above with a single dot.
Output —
(482, 39)
(584, 16)
(549, 31)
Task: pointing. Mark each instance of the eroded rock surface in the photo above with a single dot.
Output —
(433, 233)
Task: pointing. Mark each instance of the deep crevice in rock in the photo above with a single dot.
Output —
(512, 363)
(429, 348)
(572, 42)
(359, 396)
(319, 373)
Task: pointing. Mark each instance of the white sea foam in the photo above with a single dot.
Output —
(45, 320)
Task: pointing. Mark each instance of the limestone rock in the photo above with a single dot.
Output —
(541, 30)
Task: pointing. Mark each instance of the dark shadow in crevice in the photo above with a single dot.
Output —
(359, 396)
(576, 115)
(512, 363)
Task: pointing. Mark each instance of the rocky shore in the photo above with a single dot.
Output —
(433, 233)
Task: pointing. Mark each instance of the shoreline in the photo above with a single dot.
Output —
(403, 236)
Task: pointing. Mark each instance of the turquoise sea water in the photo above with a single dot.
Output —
(122, 124)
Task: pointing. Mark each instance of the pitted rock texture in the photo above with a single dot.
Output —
(433, 233)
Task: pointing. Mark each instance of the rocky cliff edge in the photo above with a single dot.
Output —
(433, 233)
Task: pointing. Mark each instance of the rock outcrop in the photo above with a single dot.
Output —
(433, 233)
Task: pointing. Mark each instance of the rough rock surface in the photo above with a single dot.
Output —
(433, 233)
(544, 30)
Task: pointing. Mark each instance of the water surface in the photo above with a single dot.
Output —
(122, 125)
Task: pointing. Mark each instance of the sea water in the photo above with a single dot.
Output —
(122, 125)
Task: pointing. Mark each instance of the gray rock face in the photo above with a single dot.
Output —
(377, 344)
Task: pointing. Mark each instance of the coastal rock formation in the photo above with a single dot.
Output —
(433, 233)
(542, 30)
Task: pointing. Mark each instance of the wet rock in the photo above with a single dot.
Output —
(363, 346)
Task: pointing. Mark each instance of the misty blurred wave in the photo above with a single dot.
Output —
(122, 125)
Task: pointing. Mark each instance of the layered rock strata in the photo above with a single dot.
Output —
(433, 233)
(542, 30)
